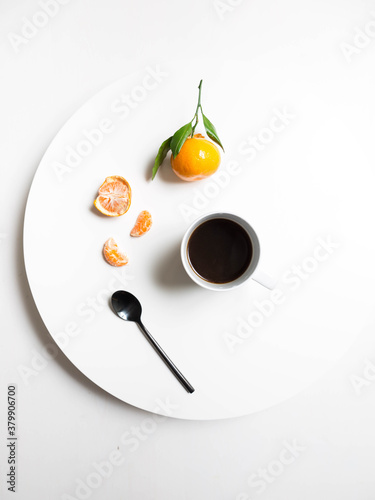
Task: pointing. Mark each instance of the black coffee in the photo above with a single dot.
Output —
(219, 250)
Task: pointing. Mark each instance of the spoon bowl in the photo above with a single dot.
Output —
(127, 306)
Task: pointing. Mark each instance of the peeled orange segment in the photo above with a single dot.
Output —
(114, 196)
(113, 255)
(142, 225)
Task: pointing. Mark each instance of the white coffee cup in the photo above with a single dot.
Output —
(252, 270)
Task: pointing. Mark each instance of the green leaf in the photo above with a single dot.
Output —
(211, 131)
(160, 157)
(179, 138)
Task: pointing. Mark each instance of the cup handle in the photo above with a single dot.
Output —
(264, 279)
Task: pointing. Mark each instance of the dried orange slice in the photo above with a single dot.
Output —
(114, 196)
(142, 225)
(113, 255)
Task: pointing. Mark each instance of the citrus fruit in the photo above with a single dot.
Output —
(198, 158)
(143, 224)
(114, 196)
(113, 255)
(193, 156)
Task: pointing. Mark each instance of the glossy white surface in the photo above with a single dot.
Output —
(67, 426)
(243, 351)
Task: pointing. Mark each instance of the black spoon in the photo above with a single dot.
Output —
(128, 308)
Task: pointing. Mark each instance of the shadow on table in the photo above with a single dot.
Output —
(165, 172)
(169, 271)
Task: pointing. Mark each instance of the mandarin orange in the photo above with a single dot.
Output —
(142, 225)
(113, 255)
(198, 158)
(114, 196)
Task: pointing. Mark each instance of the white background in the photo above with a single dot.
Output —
(66, 424)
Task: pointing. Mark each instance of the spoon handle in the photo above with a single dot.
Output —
(176, 372)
